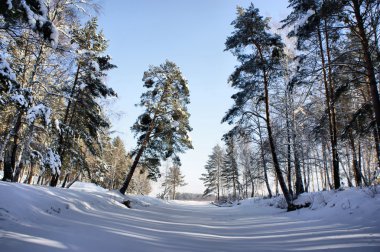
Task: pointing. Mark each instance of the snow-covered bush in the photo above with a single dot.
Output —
(52, 161)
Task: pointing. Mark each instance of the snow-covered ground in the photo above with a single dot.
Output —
(89, 218)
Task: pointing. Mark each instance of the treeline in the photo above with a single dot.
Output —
(306, 114)
(53, 69)
(193, 196)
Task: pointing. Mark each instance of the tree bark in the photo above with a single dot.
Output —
(355, 162)
(289, 175)
(8, 170)
(276, 164)
(297, 164)
(369, 67)
(264, 162)
(333, 141)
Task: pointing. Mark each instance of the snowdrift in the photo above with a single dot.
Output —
(89, 218)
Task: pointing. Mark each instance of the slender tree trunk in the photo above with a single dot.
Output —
(335, 156)
(8, 170)
(297, 164)
(65, 180)
(253, 188)
(333, 110)
(173, 191)
(276, 164)
(264, 162)
(304, 170)
(61, 149)
(377, 146)
(24, 149)
(234, 186)
(7, 137)
(75, 179)
(347, 176)
(325, 164)
(217, 193)
(30, 177)
(366, 183)
(289, 175)
(355, 162)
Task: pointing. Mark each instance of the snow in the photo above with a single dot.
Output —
(303, 20)
(54, 37)
(5, 68)
(57, 124)
(36, 20)
(10, 5)
(89, 218)
(52, 161)
(94, 65)
(20, 99)
(39, 110)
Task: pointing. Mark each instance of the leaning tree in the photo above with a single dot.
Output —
(162, 129)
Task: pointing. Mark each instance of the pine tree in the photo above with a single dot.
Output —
(163, 127)
(33, 13)
(173, 180)
(230, 172)
(212, 179)
(83, 117)
(312, 22)
(259, 53)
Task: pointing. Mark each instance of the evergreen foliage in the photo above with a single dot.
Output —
(162, 130)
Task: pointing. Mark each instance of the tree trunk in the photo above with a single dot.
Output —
(75, 179)
(297, 164)
(30, 177)
(54, 180)
(325, 165)
(128, 179)
(8, 170)
(174, 192)
(369, 67)
(4, 144)
(276, 164)
(145, 142)
(334, 149)
(264, 162)
(289, 175)
(355, 163)
(65, 180)
(253, 189)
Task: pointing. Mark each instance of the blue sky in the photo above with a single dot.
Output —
(192, 34)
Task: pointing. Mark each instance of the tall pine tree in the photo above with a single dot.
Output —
(163, 128)
(260, 53)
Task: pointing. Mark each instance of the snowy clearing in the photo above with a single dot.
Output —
(88, 218)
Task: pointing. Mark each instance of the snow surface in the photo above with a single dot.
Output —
(90, 218)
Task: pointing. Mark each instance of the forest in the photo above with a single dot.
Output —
(306, 113)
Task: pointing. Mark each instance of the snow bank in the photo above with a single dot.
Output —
(350, 203)
(87, 187)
